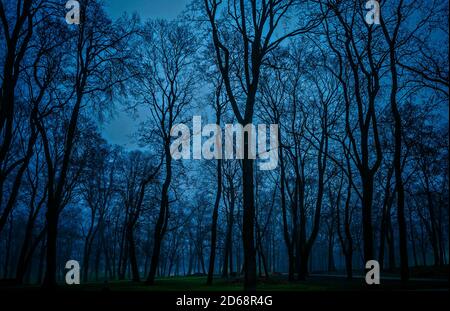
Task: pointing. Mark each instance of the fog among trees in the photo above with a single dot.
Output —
(362, 111)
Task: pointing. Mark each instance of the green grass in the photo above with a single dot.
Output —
(274, 283)
(220, 285)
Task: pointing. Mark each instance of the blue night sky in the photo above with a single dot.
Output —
(147, 8)
(123, 126)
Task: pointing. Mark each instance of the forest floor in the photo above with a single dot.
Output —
(274, 283)
(318, 290)
(429, 278)
(422, 278)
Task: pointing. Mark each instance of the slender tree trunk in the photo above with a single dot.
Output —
(287, 239)
(11, 202)
(321, 165)
(17, 42)
(86, 257)
(215, 214)
(98, 253)
(191, 261)
(387, 202)
(163, 216)
(433, 233)
(212, 256)
(41, 264)
(8, 245)
(331, 265)
(390, 241)
(56, 191)
(367, 218)
(21, 266)
(399, 187)
(413, 239)
(403, 243)
(132, 255)
(248, 222)
(228, 240)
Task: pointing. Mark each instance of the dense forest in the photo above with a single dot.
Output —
(361, 106)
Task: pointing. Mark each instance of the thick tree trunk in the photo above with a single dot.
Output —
(52, 233)
(349, 264)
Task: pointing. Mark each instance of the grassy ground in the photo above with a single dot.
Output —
(199, 284)
(276, 283)
(421, 279)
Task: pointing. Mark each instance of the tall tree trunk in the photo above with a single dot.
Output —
(331, 265)
(14, 192)
(161, 223)
(16, 46)
(399, 187)
(390, 241)
(387, 203)
(132, 254)
(21, 262)
(98, 253)
(403, 243)
(8, 245)
(433, 231)
(367, 218)
(321, 166)
(413, 239)
(56, 187)
(348, 243)
(52, 233)
(87, 254)
(215, 215)
(248, 222)
(287, 239)
(227, 260)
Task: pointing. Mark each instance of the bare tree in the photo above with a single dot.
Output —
(165, 86)
(100, 58)
(256, 24)
(219, 106)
